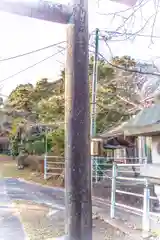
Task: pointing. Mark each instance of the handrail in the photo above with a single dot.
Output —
(132, 179)
(51, 166)
(146, 214)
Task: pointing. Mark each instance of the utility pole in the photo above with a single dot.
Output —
(77, 120)
(78, 168)
(93, 103)
(94, 85)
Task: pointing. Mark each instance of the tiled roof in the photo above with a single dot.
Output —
(114, 131)
(145, 123)
(147, 116)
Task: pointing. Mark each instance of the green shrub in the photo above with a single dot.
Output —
(38, 147)
(56, 139)
(14, 147)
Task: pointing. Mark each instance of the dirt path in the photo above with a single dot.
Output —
(39, 225)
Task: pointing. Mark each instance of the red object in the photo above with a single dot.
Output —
(42, 166)
(120, 161)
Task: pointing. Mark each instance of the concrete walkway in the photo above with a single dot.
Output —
(10, 224)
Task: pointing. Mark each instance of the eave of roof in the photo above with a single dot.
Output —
(145, 123)
(147, 116)
(114, 131)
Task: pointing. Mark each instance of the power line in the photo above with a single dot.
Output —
(31, 52)
(130, 70)
(34, 51)
(117, 34)
(127, 69)
(23, 70)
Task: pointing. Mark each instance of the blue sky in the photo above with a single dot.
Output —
(22, 34)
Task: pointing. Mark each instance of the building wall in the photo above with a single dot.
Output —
(156, 161)
(155, 154)
(144, 149)
(120, 153)
(153, 170)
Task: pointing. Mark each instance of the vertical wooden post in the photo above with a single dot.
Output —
(77, 127)
(77, 117)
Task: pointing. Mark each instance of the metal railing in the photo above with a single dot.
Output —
(102, 166)
(53, 166)
(146, 196)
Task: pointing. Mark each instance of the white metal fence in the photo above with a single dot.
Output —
(53, 166)
(145, 196)
(118, 171)
(102, 166)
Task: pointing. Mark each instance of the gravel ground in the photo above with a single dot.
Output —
(36, 222)
(38, 225)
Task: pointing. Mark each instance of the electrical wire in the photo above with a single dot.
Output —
(126, 69)
(132, 70)
(28, 53)
(118, 34)
(31, 66)
(36, 50)
(31, 52)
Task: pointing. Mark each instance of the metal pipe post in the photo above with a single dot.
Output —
(146, 209)
(96, 168)
(94, 86)
(45, 167)
(77, 122)
(113, 191)
(93, 104)
(46, 141)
